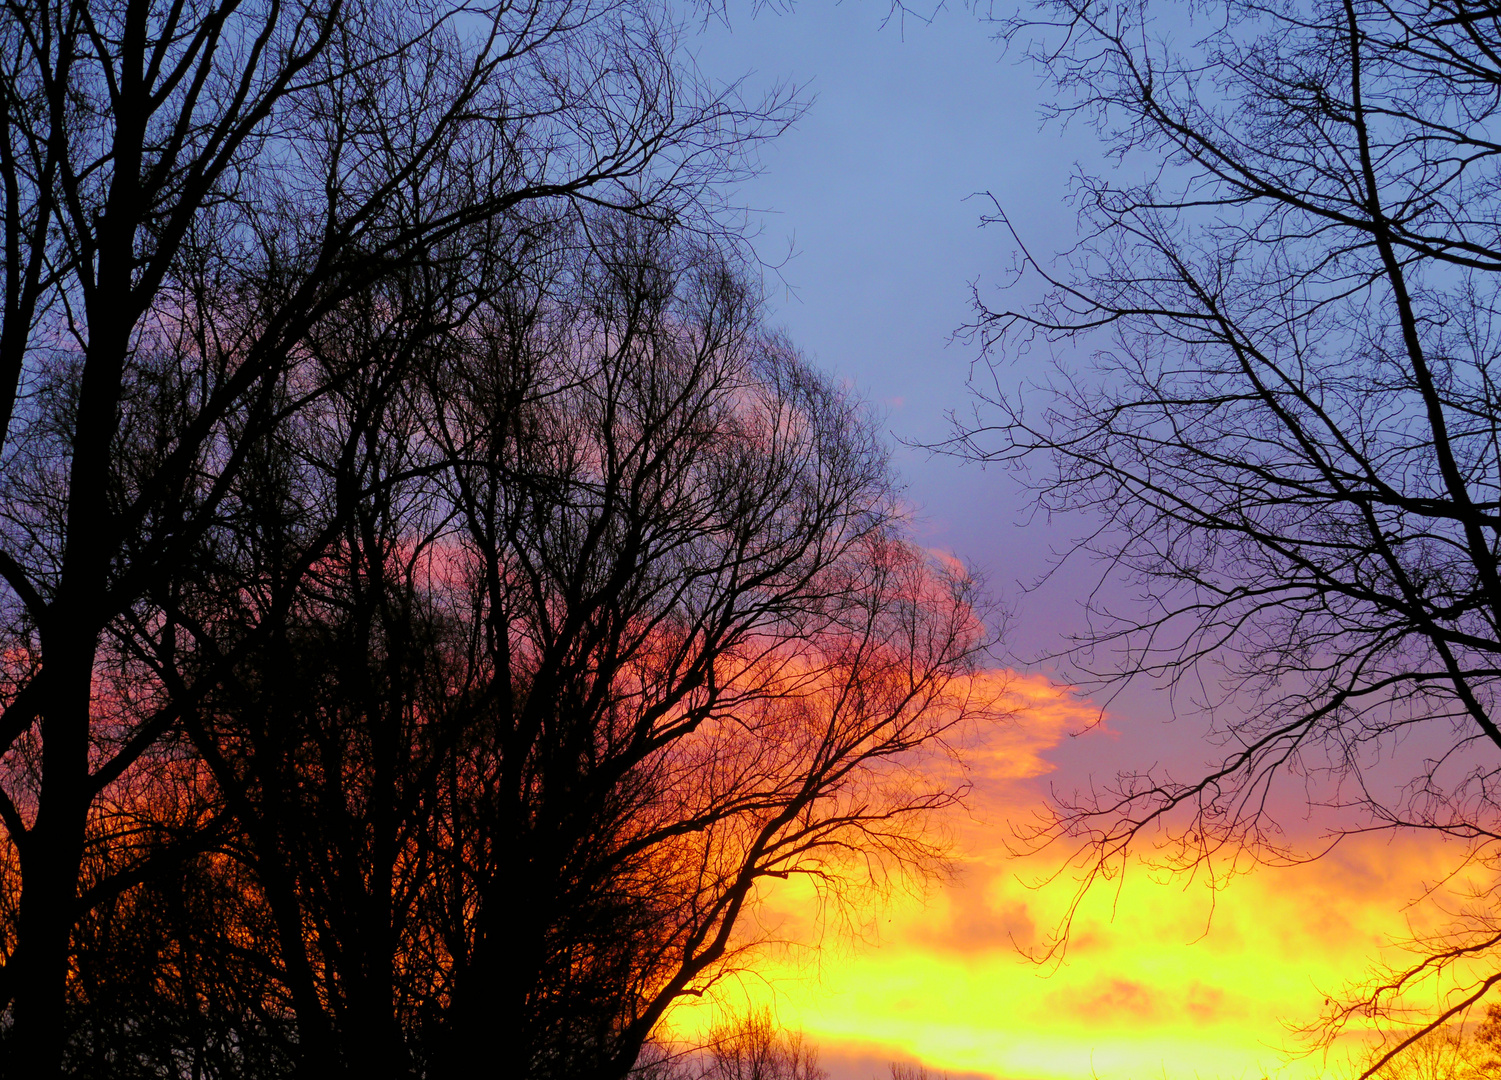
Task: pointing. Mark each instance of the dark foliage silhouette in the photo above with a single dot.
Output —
(433, 602)
(552, 608)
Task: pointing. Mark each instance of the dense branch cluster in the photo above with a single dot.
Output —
(435, 604)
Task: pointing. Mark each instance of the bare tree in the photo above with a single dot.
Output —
(753, 1047)
(1442, 1054)
(744, 1046)
(1455, 1051)
(618, 625)
(715, 660)
(1288, 429)
(902, 1070)
(189, 190)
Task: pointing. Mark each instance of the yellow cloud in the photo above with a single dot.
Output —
(1160, 979)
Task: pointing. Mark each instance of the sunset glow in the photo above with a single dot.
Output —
(641, 540)
(1160, 979)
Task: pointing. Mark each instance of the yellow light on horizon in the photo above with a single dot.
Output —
(1160, 980)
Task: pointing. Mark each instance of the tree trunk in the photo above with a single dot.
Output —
(50, 864)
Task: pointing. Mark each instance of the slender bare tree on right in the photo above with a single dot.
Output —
(1278, 392)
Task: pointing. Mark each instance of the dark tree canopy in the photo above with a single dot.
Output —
(433, 600)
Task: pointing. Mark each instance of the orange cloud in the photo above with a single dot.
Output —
(1159, 980)
(1115, 999)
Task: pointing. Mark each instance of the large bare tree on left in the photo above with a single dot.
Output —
(187, 187)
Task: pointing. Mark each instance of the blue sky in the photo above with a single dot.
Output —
(878, 193)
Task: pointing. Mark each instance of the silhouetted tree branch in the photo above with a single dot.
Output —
(192, 192)
(514, 666)
(1287, 430)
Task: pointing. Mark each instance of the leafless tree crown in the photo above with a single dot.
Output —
(1276, 396)
(434, 603)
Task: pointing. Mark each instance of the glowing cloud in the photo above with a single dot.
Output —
(1159, 979)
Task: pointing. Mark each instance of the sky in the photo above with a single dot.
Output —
(877, 194)
(1160, 980)
(912, 130)
(871, 207)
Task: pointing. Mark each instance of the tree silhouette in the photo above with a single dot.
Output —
(193, 194)
(753, 1047)
(1287, 432)
(509, 673)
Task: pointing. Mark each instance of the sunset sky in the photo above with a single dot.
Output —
(878, 194)
(1159, 979)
